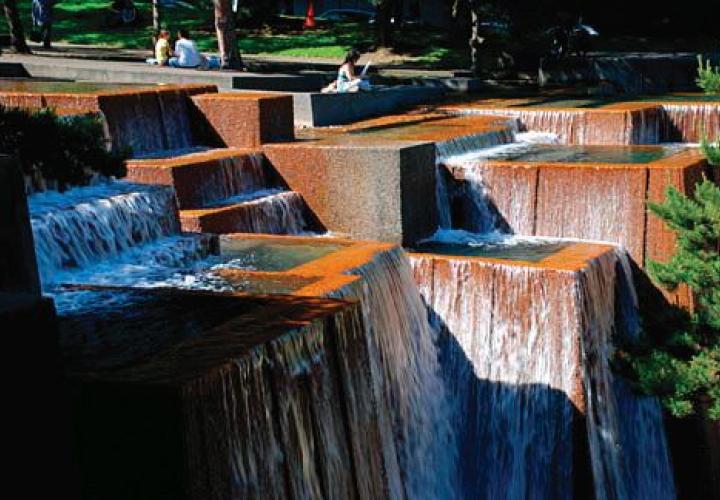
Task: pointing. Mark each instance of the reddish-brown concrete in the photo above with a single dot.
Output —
(145, 118)
(619, 125)
(547, 282)
(190, 173)
(375, 179)
(598, 201)
(247, 120)
(325, 275)
(640, 122)
(275, 214)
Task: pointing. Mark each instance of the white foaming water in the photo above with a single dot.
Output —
(456, 153)
(84, 226)
(523, 348)
(271, 211)
(419, 444)
(464, 144)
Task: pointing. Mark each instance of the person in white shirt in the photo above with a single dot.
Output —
(186, 53)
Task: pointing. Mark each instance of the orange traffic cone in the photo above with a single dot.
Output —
(310, 15)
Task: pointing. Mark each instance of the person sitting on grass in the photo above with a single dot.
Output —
(162, 48)
(186, 53)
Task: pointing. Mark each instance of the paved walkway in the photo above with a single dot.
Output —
(256, 62)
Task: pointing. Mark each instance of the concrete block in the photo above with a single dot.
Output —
(18, 266)
(320, 110)
(368, 190)
(247, 119)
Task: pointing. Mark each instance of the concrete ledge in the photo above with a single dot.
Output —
(364, 190)
(18, 266)
(246, 120)
(127, 72)
(319, 110)
(203, 177)
(631, 73)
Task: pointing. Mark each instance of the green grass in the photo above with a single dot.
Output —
(81, 22)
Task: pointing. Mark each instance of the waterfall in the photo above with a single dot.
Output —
(112, 233)
(444, 183)
(148, 121)
(512, 370)
(568, 125)
(175, 118)
(407, 381)
(464, 144)
(611, 126)
(271, 424)
(233, 176)
(526, 353)
(630, 458)
(688, 122)
(273, 212)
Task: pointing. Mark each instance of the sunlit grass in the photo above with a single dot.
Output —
(82, 22)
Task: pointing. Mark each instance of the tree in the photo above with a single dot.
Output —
(17, 34)
(156, 16)
(682, 365)
(384, 22)
(226, 35)
(473, 7)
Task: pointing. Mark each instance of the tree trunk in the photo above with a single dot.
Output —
(475, 39)
(226, 35)
(156, 16)
(384, 23)
(17, 34)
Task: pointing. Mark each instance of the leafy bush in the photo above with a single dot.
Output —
(681, 364)
(68, 150)
(708, 77)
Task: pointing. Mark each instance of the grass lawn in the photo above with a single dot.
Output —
(82, 22)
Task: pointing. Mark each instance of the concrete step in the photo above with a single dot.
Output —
(270, 212)
(202, 177)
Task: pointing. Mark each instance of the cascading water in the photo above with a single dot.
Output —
(688, 122)
(419, 444)
(270, 211)
(485, 218)
(115, 233)
(526, 350)
(630, 458)
(468, 143)
(236, 175)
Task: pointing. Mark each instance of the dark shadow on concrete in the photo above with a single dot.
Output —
(487, 415)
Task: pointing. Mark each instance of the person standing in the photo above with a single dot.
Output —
(42, 18)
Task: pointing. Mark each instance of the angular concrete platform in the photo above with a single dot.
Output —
(137, 72)
(591, 201)
(271, 213)
(246, 120)
(376, 179)
(144, 117)
(316, 109)
(202, 177)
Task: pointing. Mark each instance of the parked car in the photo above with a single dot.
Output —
(347, 15)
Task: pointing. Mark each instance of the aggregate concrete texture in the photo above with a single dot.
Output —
(363, 189)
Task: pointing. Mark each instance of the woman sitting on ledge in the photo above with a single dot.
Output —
(347, 81)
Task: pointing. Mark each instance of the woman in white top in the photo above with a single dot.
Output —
(186, 53)
(347, 80)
